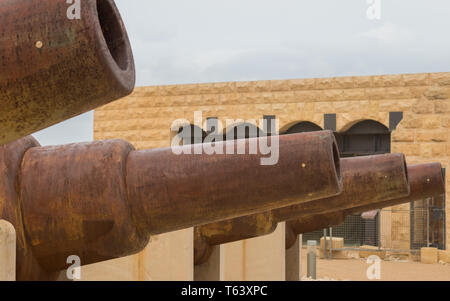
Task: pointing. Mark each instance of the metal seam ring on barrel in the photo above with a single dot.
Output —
(53, 68)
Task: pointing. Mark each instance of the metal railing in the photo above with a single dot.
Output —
(392, 230)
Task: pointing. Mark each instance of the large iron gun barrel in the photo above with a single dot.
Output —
(59, 60)
(102, 200)
(366, 180)
(426, 180)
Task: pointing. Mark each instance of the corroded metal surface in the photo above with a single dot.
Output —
(74, 202)
(11, 156)
(312, 223)
(53, 68)
(187, 190)
(426, 180)
(102, 200)
(366, 180)
(229, 231)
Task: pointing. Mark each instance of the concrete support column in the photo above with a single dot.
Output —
(294, 261)
(386, 228)
(446, 165)
(257, 259)
(265, 257)
(7, 251)
(122, 269)
(168, 257)
(226, 263)
(210, 270)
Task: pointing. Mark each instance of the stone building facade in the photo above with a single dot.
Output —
(415, 108)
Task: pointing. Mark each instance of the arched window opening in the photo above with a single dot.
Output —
(365, 138)
(303, 127)
(191, 134)
(243, 131)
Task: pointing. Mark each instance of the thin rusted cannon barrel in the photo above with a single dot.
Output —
(201, 188)
(53, 68)
(102, 200)
(426, 180)
(366, 180)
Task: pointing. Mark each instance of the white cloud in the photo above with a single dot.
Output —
(389, 33)
(179, 41)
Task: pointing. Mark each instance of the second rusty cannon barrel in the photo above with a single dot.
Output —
(59, 60)
(102, 200)
(426, 180)
(196, 189)
(366, 180)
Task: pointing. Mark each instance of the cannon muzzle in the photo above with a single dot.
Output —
(103, 200)
(59, 60)
(366, 180)
(426, 180)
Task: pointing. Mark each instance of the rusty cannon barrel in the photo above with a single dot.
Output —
(103, 200)
(426, 180)
(59, 60)
(366, 180)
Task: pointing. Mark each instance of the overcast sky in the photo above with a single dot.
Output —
(193, 41)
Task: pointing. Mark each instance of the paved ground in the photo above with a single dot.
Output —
(355, 269)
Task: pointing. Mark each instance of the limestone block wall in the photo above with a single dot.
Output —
(145, 117)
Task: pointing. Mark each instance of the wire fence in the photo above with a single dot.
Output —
(400, 229)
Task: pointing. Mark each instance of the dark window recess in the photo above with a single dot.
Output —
(365, 138)
(269, 124)
(212, 130)
(191, 134)
(330, 122)
(394, 119)
(243, 131)
(303, 127)
(212, 124)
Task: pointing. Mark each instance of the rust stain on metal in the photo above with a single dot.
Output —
(426, 180)
(53, 68)
(366, 180)
(103, 200)
(194, 188)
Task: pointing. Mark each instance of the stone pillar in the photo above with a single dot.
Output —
(233, 261)
(294, 261)
(400, 228)
(386, 228)
(122, 269)
(265, 257)
(168, 257)
(447, 208)
(257, 259)
(7, 251)
(210, 270)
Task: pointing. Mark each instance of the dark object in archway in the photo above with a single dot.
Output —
(53, 68)
(365, 138)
